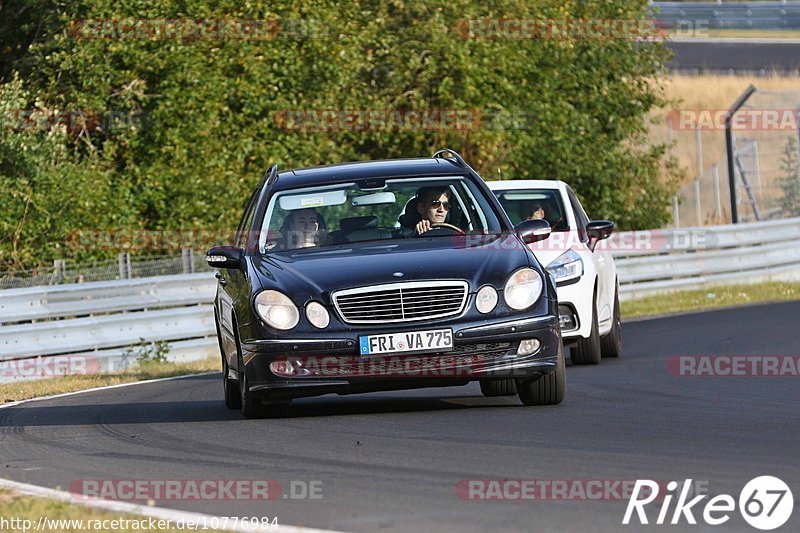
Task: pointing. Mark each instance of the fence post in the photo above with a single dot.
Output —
(58, 271)
(699, 145)
(124, 261)
(717, 193)
(698, 207)
(187, 258)
(676, 213)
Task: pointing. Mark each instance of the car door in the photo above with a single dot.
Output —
(603, 265)
(229, 280)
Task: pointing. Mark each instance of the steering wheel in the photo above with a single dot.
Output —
(445, 226)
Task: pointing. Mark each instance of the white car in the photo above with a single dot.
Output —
(585, 277)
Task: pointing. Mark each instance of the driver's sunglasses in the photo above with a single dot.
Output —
(437, 203)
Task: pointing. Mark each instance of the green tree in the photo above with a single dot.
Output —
(568, 108)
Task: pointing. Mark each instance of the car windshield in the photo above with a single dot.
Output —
(530, 204)
(374, 210)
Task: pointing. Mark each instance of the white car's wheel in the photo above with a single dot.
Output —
(611, 343)
(587, 351)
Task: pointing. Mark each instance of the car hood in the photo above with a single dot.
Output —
(316, 273)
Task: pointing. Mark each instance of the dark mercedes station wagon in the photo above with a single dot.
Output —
(383, 275)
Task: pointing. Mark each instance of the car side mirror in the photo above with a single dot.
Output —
(597, 230)
(531, 231)
(225, 257)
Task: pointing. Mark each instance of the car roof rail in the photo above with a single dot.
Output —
(455, 156)
(272, 175)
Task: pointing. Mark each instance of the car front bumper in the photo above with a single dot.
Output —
(311, 367)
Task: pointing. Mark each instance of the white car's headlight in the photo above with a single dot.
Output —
(318, 315)
(566, 266)
(277, 310)
(523, 288)
(486, 299)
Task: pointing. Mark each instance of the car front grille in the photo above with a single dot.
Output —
(401, 302)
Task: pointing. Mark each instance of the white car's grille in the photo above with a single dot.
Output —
(401, 302)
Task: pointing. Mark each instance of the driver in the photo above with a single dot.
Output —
(432, 205)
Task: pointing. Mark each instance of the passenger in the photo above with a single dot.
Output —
(433, 203)
(533, 211)
(303, 228)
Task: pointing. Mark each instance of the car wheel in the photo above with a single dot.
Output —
(548, 389)
(252, 406)
(498, 387)
(611, 343)
(587, 351)
(230, 388)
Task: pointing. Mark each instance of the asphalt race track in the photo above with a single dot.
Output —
(724, 56)
(391, 461)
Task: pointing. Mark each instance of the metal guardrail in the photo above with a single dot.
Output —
(714, 255)
(737, 15)
(100, 324)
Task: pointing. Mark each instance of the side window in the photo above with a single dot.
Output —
(580, 215)
(247, 220)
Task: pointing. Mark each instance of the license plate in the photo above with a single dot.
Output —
(412, 341)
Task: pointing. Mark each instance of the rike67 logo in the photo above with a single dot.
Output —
(765, 503)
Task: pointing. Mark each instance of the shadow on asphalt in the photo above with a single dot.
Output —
(36, 414)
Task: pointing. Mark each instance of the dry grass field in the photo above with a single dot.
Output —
(695, 94)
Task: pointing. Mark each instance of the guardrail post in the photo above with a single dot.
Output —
(187, 258)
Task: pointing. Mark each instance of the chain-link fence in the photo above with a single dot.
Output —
(125, 267)
(765, 153)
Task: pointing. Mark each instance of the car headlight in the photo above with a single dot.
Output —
(523, 288)
(566, 266)
(277, 310)
(486, 299)
(318, 315)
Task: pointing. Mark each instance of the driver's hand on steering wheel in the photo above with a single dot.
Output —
(423, 226)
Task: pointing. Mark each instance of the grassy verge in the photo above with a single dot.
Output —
(24, 390)
(710, 298)
(22, 513)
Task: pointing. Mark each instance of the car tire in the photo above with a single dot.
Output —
(230, 388)
(611, 343)
(498, 387)
(252, 406)
(548, 389)
(587, 351)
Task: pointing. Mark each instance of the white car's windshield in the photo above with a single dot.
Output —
(530, 204)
